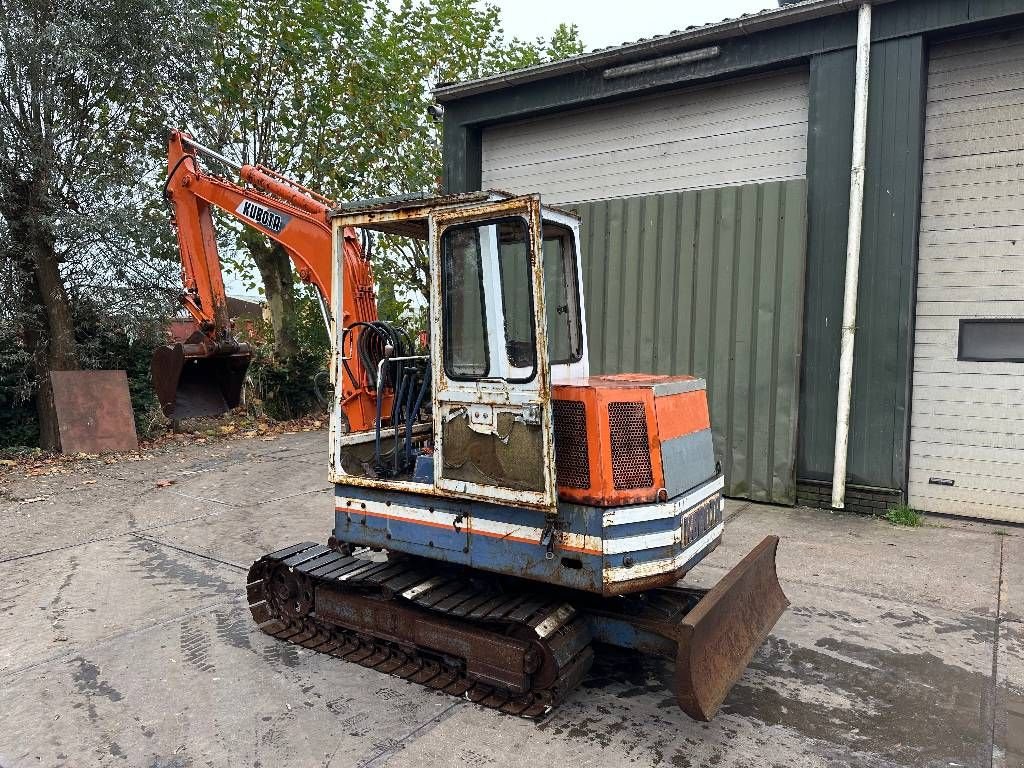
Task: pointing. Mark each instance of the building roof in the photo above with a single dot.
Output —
(790, 13)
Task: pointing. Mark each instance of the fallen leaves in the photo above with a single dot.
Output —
(34, 462)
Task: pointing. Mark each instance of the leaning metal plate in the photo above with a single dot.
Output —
(94, 411)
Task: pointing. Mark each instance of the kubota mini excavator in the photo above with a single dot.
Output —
(204, 375)
(509, 513)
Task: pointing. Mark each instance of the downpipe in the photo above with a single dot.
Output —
(853, 250)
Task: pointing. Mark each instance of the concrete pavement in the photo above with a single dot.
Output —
(125, 640)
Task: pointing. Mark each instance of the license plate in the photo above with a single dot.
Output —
(702, 518)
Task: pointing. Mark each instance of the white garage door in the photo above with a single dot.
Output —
(967, 426)
(743, 132)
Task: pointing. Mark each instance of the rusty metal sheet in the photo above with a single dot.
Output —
(94, 411)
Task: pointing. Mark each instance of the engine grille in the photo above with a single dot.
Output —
(572, 466)
(631, 449)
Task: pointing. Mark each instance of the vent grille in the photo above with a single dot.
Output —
(572, 466)
(631, 450)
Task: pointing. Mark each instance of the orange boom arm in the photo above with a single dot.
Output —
(289, 214)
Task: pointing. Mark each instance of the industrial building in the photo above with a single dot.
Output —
(712, 170)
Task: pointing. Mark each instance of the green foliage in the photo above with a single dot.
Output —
(392, 146)
(18, 424)
(335, 93)
(331, 92)
(903, 515)
(288, 388)
(84, 94)
(102, 345)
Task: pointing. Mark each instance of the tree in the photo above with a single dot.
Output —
(80, 96)
(270, 92)
(394, 147)
(335, 93)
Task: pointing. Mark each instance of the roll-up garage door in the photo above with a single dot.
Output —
(743, 132)
(694, 237)
(967, 426)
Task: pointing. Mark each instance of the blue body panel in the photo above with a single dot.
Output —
(600, 550)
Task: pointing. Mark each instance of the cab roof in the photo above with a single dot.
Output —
(407, 215)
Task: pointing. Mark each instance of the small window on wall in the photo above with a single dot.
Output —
(992, 341)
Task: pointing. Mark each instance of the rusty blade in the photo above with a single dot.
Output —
(720, 636)
(192, 382)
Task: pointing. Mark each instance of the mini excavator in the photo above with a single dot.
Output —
(504, 515)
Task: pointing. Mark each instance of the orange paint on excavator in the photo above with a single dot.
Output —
(205, 374)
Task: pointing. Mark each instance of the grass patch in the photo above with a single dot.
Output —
(905, 516)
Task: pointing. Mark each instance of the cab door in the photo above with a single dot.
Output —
(492, 417)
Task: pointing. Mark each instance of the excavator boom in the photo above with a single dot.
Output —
(205, 374)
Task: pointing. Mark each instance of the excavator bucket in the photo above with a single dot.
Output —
(191, 381)
(720, 636)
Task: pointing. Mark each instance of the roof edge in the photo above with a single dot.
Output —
(745, 25)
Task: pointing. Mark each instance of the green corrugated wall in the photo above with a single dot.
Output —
(711, 283)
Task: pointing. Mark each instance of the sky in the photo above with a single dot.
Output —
(602, 23)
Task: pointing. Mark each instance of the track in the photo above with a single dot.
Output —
(507, 648)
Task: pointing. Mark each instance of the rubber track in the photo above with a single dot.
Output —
(442, 592)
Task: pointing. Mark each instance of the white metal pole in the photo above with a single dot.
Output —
(849, 327)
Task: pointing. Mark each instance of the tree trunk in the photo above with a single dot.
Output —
(276, 270)
(49, 329)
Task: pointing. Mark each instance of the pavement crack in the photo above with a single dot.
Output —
(736, 514)
(111, 537)
(382, 755)
(207, 499)
(888, 597)
(187, 551)
(325, 489)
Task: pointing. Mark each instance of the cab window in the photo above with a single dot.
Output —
(561, 296)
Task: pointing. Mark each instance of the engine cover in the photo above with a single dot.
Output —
(631, 438)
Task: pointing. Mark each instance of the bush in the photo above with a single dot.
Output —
(287, 389)
(290, 388)
(18, 423)
(102, 345)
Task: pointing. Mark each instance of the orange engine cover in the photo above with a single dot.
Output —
(631, 438)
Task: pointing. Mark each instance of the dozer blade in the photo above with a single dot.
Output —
(189, 381)
(720, 636)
